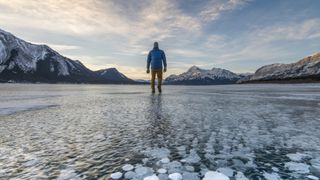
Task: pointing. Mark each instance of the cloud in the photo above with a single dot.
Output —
(215, 8)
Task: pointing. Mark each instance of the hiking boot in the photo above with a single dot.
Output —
(159, 89)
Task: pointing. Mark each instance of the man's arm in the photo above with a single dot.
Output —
(148, 62)
(164, 60)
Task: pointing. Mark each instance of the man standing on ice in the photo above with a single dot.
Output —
(158, 62)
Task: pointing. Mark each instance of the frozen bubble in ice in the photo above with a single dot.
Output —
(153, 177)
(157, 152)
(129, 175)
(116, 175)
(143, 171)
(214, 175)
(240, 176)
(312, 177)
(127, 167)
(226, 171)
(175, 176)
(297, 156)
(145, 160)
(189, 168)
(190, 176)
(162, 171)
(193, 158)
(300, 168)
(67, 174)
(165, 160)
(275, 169)
(271, 176)
(173, 166)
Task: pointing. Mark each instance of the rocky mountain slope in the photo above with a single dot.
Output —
(21, 61)
(197, 76)
(112, 74)
(305, 70)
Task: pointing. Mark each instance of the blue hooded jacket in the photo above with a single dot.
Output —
(156, 57)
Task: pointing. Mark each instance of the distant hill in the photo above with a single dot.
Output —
(305, 70)
(197, 76)
(21, 61)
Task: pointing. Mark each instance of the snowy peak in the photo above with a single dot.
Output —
(304, 70)
(198, 76)
(23, 61)
(112, 74)
(194, 69)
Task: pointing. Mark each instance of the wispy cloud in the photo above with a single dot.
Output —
(215, 8)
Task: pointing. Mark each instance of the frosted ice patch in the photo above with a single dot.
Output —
(116, 175)
(300, 168)
(153, 177)
(175, 176)
(271, 176)
(214, 175)
(297, 156)
(127, 167)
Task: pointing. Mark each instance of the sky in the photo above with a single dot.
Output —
(238, 35)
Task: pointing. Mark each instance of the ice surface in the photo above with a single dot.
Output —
(97, 129)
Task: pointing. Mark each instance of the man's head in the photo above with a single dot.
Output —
(155, 44)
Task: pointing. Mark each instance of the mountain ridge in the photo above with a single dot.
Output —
(22, 61)
(304, 70)
(197, 76)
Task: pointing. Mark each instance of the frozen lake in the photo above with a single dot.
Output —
(91, 131)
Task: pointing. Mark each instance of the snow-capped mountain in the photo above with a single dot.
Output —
(22, 61)
(306, 69)
(112, 74)
(197, 76)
